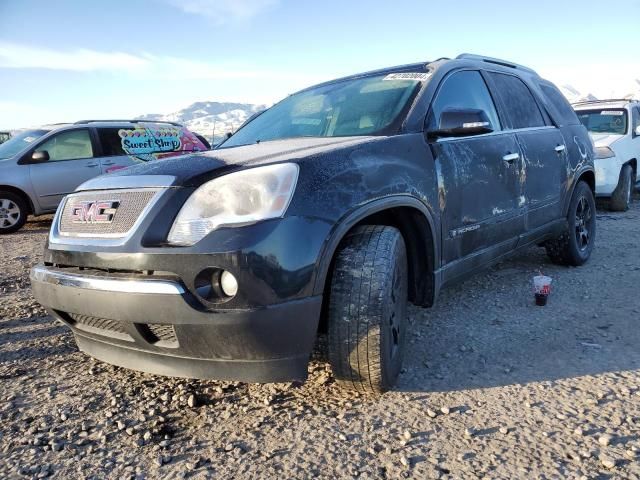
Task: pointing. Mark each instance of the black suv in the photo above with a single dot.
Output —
(327, 213)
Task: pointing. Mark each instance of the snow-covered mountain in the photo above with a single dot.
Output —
(630, 91)
(574, 95)
(209, 118)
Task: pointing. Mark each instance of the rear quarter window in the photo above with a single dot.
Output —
(561, 109)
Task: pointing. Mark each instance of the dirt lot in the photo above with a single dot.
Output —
(494, 387)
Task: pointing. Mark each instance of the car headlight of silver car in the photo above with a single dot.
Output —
(604, 152)
(236, 199)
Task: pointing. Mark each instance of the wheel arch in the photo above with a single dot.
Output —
(586, 175)
(415, 222)
(22, 194)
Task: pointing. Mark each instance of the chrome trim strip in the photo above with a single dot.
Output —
(107, 240)
(90, 282)
(108, 182)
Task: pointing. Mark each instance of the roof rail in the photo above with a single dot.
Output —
(128, 121)
(497, 61)
(606, 100)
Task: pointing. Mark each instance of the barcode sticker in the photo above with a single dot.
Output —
(420, 77)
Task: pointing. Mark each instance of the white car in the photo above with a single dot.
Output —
(614, 126)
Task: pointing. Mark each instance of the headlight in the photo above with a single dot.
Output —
(240, 198)
(604, 152)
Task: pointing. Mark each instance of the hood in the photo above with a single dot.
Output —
(195, 169)
(605, 139)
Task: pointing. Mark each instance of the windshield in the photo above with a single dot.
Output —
(19, 142)
(604, 121)
(363, 106)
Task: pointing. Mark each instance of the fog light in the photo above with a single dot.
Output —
(228, 283)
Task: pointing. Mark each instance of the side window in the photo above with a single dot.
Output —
(465, 89)
(110, 141)
(636, 118)
(560, 104)
(521, 108)
(70, 145)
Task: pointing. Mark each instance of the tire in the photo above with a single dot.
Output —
(13, 212)
(367, 314)
(623, 194)
(574, 246)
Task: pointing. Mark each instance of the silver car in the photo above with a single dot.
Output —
(38, 167)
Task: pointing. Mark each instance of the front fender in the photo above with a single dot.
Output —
(348, 221)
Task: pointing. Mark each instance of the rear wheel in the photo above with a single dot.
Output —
(13, 212)
(574, 246)
(368, 309)
(622, 195)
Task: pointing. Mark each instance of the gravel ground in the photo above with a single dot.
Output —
(494, 387)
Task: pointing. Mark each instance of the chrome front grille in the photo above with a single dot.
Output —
(130, 206)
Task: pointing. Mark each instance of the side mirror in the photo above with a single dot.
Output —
(638, 131)
(40, 157)
(228, 135)
(455, 122)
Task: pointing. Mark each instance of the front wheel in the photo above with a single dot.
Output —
(13, 212)
(368, 309)
(575, 245)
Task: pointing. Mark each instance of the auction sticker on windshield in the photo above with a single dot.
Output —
(419, 76)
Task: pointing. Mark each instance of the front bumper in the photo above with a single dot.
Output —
(154, 324)
(607, 175)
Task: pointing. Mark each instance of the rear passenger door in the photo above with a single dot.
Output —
(543, 149)
(478, 177)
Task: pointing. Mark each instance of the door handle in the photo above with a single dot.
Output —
(510, 158)
(560, 148)
(91, 165)
(108, 163)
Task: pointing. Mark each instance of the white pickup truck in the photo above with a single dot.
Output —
(614, 126)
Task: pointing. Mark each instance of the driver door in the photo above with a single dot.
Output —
(479, 178)
(71, 162)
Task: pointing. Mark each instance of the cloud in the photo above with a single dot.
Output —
(149, 66)
(224, 11)
(80, 60)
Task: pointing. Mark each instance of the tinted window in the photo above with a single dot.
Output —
(521, 108)
(71, 145)
(463, 90)
(636, 118)
(361, 106)
(111, 142)
(560, 104)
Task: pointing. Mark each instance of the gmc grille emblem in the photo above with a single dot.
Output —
(94, 212)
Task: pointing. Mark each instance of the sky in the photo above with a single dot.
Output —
(66, 60)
